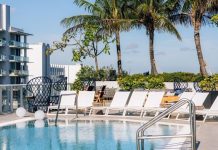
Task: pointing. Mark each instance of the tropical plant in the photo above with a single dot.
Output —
(215, 19)
(197, 13)
(154, 16)
(209, 83)
(106, 13)
(87, 42)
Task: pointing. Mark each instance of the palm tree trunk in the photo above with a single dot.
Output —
(202, 64)
(119, 62)
(151, 52)
(96, 64)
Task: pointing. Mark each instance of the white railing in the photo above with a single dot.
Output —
(3, 72)
(19, 73)
(3, 57)
(18, 44)
(18, 58)
(3, 42)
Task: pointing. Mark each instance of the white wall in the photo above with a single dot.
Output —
(68, 71)
(39, 62)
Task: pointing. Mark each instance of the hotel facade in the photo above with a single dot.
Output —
(13, 50)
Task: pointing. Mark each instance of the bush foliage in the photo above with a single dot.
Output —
(210, 83)
(135, 81)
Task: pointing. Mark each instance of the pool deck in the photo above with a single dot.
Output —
(207, 133)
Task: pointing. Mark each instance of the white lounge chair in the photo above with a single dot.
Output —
(184, 95)
(67, 101)
(85, 100)
(136, 102)
(198, 99)
(153, 102)
(213, 111)
(119, 101)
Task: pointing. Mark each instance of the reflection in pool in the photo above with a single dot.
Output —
(78, 135)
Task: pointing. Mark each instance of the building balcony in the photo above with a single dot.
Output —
(3, 58)
(19, 73)
(3, 72)
(16, 44)
(3, 42)
(14, 58)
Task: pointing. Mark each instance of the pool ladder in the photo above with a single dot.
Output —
(140, 134)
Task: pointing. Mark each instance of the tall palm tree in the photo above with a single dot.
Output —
(105, 13)
(154, 16)
(197, 13)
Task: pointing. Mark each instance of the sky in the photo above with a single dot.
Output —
(42, 19)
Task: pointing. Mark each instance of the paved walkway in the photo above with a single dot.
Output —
(207, 133)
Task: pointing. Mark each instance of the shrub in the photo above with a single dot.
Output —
(77, 85)
(210, 83)
(155, 83)
(183, 76)
(140, 81)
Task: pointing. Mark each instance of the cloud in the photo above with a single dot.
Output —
(132, 46)
(186, 49)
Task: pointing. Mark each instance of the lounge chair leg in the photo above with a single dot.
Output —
(144, 114)
(157, 113)
(177, 117)
(106, 112)
(90, 112)
(124, 112)
(66, 111)
(169, 116)
(141, 114)
(205, 118)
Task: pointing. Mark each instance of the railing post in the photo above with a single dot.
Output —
(11, 99)
(76, 105)
(21, 97)
(1, 101)
(192, 126)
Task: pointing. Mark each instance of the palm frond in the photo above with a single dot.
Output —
(90, 7)
(74, 20)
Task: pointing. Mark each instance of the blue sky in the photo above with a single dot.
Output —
(42, 18)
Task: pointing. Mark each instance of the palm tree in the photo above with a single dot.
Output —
(197, 13)
(105, 13)
(154, 16)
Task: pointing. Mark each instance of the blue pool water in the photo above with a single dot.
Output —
(79, 135)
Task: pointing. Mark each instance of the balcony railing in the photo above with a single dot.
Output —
(3, 42)
(3, 72)
(19, 73)
(14, 58)
(3, 57)
(18, 44)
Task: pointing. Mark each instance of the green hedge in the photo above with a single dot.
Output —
(135, 81)
(183, 76)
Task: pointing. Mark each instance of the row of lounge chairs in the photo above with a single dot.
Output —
(141, 102)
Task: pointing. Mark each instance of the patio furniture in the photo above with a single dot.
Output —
(40, 88)
(136, 102)
(213, 111)
(99, 95)
(67, 101)
(119, 101)
(85, 100)
(58, 86)
(153, 102)
(198, 99)
(179, 86)
(197, 87)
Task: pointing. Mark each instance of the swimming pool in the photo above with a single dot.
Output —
(80, 135)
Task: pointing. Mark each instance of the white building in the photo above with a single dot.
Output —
(39, 62)
(68, 71)
(13, 50)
